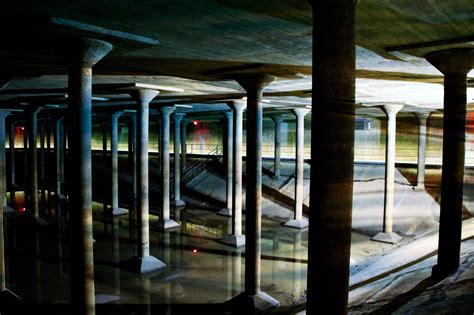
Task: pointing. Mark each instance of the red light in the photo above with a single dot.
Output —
(22, 128)
(23, 209)
(195, 123)
(195, 250)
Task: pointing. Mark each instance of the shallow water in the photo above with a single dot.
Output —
(199, 268)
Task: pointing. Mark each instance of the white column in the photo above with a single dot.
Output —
(165, 221)
(420, 178)
(227, 211)
(236, 238)
(115, 209)
(177, 202)
(81, 54)
(277, 120)
(298, 221)
(387, 235)
(143, 262)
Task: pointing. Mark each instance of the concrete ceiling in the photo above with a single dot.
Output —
(197, 45)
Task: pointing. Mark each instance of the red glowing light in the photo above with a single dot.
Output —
(23, 209)
(22, 128)
(195, 123)
(195, 250)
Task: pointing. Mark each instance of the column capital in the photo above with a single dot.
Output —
(167, 110)
(34, 111)
(237, 105)
(300, 112)
(143, 95)
(178, 117)
(84, 51)
(255, 82)
(452, 61)
(391, 109)
(228, 115)
(116, 115)
(4, 113)
(277, 118)
(422, 115)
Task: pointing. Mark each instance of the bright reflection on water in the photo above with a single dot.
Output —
(199, 268)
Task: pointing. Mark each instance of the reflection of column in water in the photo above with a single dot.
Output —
(145, 302)
(132, 220)
(276, 246)
(5, 255)
(237, 273)
(60, 253)
(296, 266)
(37, 268)
(116, 255)
(167, 258)
(228, 259)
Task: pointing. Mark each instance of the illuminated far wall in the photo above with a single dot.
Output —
(205, 136)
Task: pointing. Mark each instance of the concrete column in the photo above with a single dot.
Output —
(64, 144)
(253, 297)
(236, 238)
(59, 197)
(143, 262)
(277, 120)
(41, 169)
(13, 185)
(7, 298)
(178, 117)
(104, 159)
(165, 221)
(227, 211)
(420, 178)
(48, 154)
(132, 152)
(115, 209)
(332, 158)
(183, 144)
(81, 54)
(104, 142)
(454, 64)
(57, 155)
(298, 221)
(33, 169)
(132, 161)
(25, 164)
(387, 235)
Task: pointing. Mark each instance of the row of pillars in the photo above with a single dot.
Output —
(332, 159)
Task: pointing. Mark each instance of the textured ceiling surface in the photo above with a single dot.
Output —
(186, 44)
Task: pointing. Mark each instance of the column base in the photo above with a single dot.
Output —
(178, 203)
(166, 224)
(391, 238)
(225, 212)
(441, 272)
(8, 210)
(112, 212)
(259, 302)
(233, 240)
(419, 188)
(143, 265)
(8, 299)
(297, 224)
